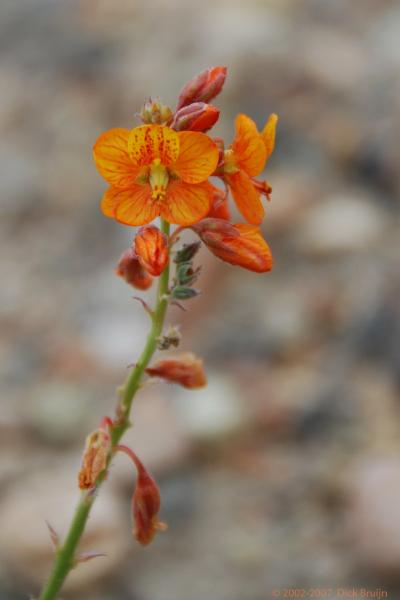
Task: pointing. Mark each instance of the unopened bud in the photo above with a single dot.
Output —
(95, 456)
(151, 247)
(155, 113)
(181, 292)
(186, 370)
(185, 274)
(212, 231)
(242, 245)
(198, 116)
(130, 269)
(203, 87)
(187, 252)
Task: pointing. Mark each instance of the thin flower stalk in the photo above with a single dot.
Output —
(162, 169)
(65, 559)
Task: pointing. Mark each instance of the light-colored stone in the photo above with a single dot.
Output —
(340, 224)
(213, 412)
(157, 436)
(374, 518)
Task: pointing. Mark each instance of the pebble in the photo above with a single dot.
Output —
(373, 519)
(341, 224)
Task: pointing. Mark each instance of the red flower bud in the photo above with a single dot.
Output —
(94, 461)
(203, 87)
(185, 369)
(151, 247)
(198, 116)
(145, 507)
(240, 244)
(130, 269)
(145, 502)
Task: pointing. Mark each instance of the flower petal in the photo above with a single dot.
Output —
(110, 153)
(246, 197)
(268, 134)
(148, 142)
(110, 202)
(219, 208)
(186, 203)
(133, 206)
(198, 157)
(248, 146)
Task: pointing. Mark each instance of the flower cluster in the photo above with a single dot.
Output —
(163, 167)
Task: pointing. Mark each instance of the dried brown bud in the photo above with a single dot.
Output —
(145, 502)
(98, 446)
(171, 338)
(186, 370)
(155, 113)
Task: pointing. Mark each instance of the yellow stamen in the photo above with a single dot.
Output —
(230, 166)
(158, 179)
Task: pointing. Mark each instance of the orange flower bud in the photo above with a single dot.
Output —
(203, 87)
(219, 208)
(151, 247)
(198, 116)
(98, 446)
(185, 369)
(241, 245)
(130, 269)
(145, 502)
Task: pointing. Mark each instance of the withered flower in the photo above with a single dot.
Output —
(186, 370)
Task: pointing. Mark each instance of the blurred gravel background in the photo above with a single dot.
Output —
(285, 471)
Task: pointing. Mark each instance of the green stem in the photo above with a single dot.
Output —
(65, 556)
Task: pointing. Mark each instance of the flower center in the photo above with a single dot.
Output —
(230, 166)
(158, 179)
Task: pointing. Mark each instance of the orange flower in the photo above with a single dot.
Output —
(151, 247)
(185, 369)
(154, 170)
(240, 244)
(130, 269)
(246, 159)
